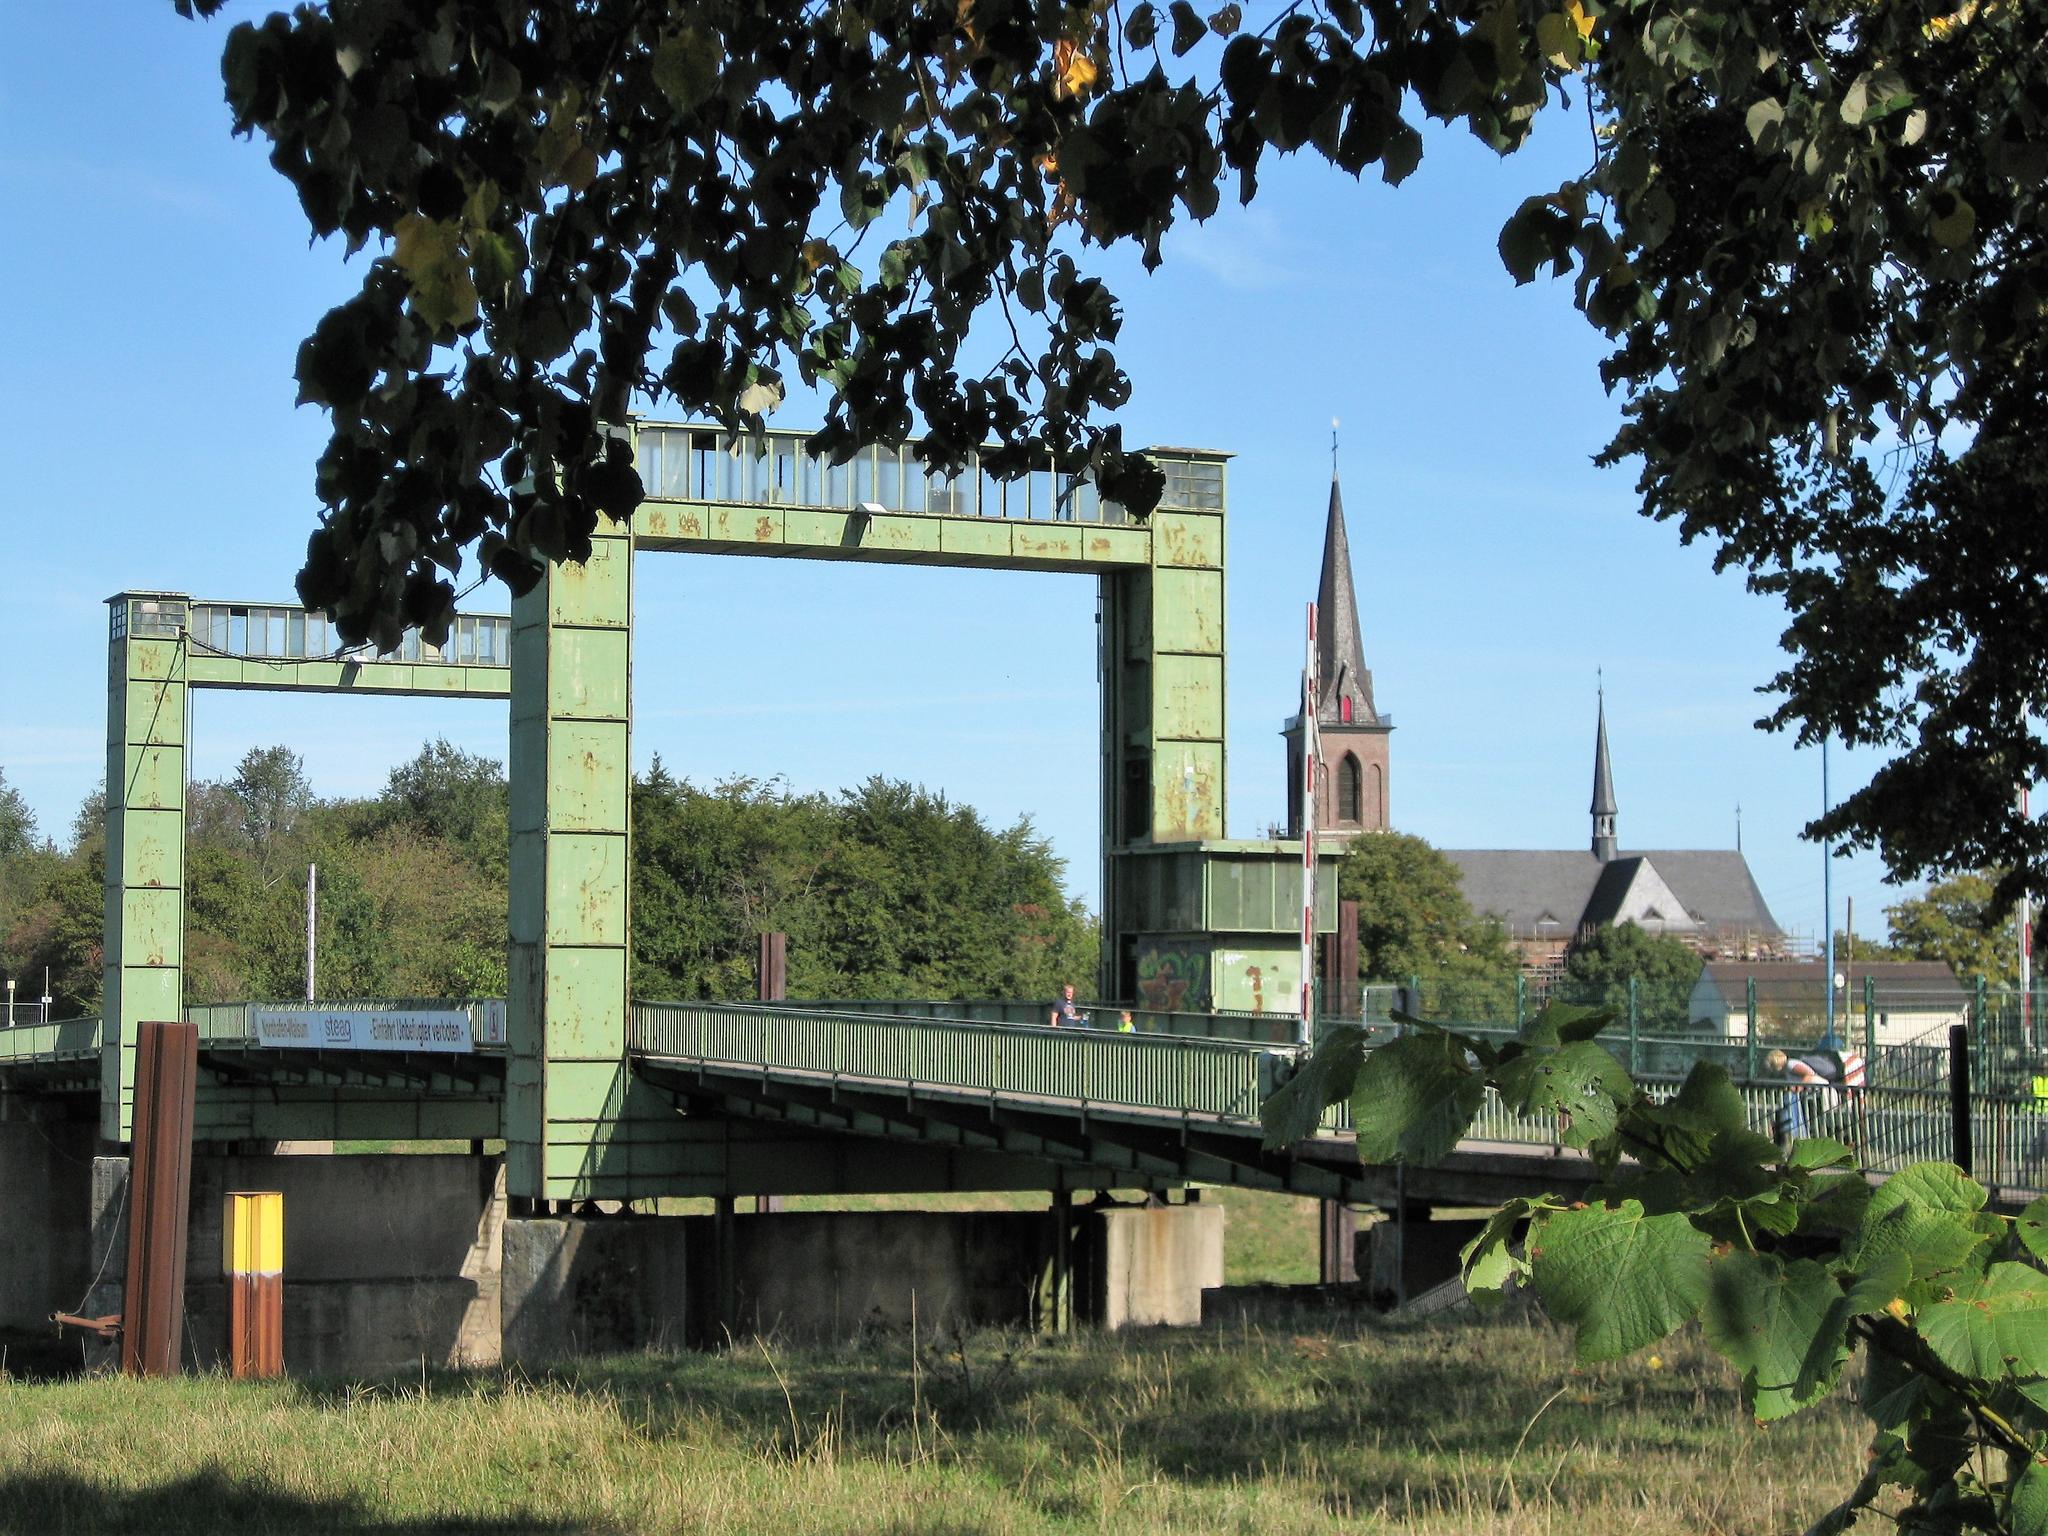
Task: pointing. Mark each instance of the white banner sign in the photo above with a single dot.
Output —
(392, 1029)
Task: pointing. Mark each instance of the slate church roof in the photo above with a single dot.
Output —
(1541, 893)
(1702, 894)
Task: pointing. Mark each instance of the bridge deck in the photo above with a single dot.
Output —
(1159, 1107)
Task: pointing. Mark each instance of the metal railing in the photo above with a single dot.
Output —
(1092, 1068)
(281, 632)
(63, 1040)
(778, 468)
(1257, 1028)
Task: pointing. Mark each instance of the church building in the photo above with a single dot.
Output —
(1351, 778)
(1547, 899)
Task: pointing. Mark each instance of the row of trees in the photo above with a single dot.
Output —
(885, 890)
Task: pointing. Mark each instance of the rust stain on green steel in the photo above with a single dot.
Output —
(1186, 539)
(764, 530)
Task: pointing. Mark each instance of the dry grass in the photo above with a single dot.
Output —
(1482, 1428)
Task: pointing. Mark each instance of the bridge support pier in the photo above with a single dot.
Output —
(1056, 1298)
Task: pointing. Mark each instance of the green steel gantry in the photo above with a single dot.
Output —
(1190, 921)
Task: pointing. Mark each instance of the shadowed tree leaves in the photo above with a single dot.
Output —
(1817, 237)
(571, 207)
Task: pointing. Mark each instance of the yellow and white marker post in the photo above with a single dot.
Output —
(252, 1228)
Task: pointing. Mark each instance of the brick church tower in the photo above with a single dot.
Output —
(1351, 794)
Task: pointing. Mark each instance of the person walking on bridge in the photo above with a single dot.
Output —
(1066, 1011)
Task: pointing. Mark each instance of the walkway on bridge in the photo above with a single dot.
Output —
(1010, 1104)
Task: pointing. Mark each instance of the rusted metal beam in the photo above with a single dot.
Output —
(1338, 1243)
(772, 971)
(159, 1197)
(108, 1327)
(252, 1257)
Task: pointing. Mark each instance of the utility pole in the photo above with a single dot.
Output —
(1827, 887)
(312, 924)
(2026, 937)
(1848, 960)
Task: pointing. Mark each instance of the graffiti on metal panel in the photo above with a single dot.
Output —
(1172, 977)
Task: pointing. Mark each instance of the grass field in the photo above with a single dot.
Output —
(1468, 1427)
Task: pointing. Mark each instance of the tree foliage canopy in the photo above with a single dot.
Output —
(1614, 957)
(1813, 231)
(1413, 919)
(887, 890)
(1960, 921)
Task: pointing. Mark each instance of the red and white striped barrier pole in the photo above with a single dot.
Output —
(1311, 763)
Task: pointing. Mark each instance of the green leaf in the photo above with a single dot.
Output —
(2032, 1227)
(2029, 1510)
(1415, 1099)
(1295, 1112)
(1820, 1152)
(493, 259)
(1581, 1081)
(2001, 1324)
(429, 253)
(1621, 1278)
(1777, 1324)
(1563, 1023)
(1925, 1212)
(1487, 1262)
(761, 397)
(1874, 94)
(1954, 220)
(1762, 117)
(686, 68)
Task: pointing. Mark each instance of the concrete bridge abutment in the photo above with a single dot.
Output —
(399, 1262)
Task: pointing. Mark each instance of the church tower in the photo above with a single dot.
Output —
(1603, 791)
(1351, 795)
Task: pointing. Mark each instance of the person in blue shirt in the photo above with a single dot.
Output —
(1066, 1011)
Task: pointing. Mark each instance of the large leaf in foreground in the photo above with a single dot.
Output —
(1621, 1278)
(1296, 1111)
(1415, 1098)
(1579, 1081)
(1927, 1212)
(2000, 1323)
(1781, 1325)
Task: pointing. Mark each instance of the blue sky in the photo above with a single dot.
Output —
(160, 278)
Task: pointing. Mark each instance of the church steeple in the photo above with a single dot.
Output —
(1604, 846)
(1340, 649)
(1353, 766)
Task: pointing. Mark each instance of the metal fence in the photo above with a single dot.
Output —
(1147, 1072)
(1258, 1028)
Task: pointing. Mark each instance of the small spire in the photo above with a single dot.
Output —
(1333, 450)
(1738, 826)
(1340, 648)
(1603, 808)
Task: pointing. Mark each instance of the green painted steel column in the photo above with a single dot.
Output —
(1869, 1023)
(1161, 647)
(566, 1078)
(1634, 1017)
(144, 946)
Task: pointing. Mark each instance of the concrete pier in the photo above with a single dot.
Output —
(395, 1262)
